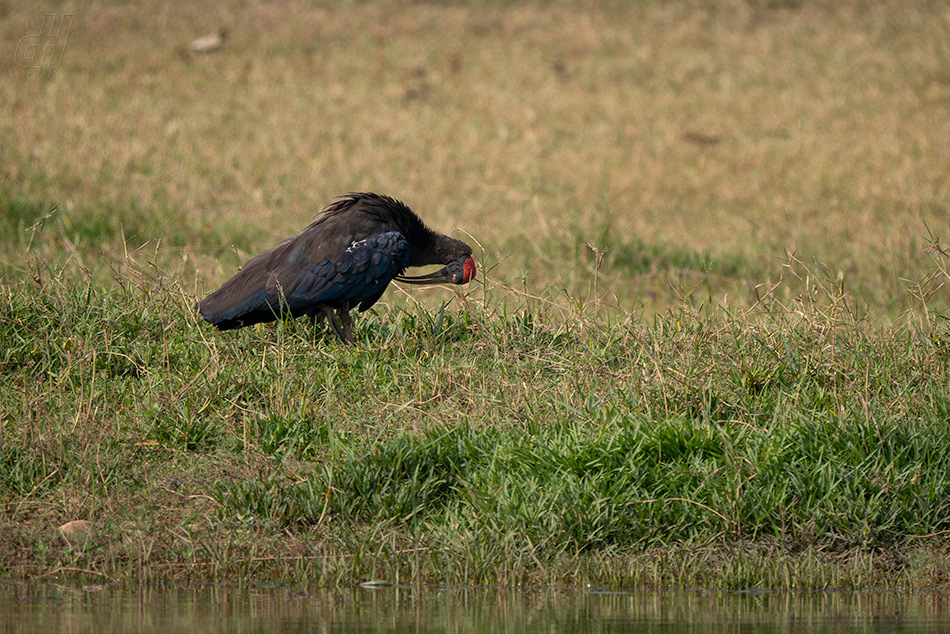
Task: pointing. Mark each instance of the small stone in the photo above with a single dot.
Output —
(75, 528)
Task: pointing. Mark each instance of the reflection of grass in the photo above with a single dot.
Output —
(697, 226)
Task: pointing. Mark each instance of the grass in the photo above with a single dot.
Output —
(708, 346)
(469, 446)
(694, 143)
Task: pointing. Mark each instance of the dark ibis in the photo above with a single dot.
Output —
(346, 257)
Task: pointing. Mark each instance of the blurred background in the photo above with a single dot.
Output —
(628, 155)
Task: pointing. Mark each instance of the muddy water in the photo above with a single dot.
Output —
(34, 608)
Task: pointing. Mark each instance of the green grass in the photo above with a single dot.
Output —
(466, 445)
(708, 345)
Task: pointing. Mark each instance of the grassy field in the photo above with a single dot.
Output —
(707, 345)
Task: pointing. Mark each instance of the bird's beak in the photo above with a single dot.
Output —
(442, 276)
(458, 271)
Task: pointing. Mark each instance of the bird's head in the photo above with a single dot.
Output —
(459, 271)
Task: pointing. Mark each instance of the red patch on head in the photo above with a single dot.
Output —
(468, 271)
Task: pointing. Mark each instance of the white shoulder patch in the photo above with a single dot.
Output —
(356, 245)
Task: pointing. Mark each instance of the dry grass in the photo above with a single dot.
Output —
(696, 142)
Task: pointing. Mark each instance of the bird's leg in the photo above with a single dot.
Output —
(344, 313)
(331, 318)
(316, 318)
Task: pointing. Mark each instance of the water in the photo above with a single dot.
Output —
(35, 608)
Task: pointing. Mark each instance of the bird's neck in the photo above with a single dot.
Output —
(434, 248)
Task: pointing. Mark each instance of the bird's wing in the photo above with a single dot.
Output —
(359, 274)
(341, 257)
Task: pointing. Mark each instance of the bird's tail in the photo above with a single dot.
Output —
(238, 303)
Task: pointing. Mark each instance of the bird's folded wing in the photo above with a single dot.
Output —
(362, 272)
(272, 281)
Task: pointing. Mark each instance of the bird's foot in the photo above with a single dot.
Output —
(334, 324)
(344, 313)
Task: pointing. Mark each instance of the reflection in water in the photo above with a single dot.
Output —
(33, 608)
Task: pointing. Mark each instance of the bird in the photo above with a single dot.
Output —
(345, 258)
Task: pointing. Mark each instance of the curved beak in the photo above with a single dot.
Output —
(442, 276)
(458, 271)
